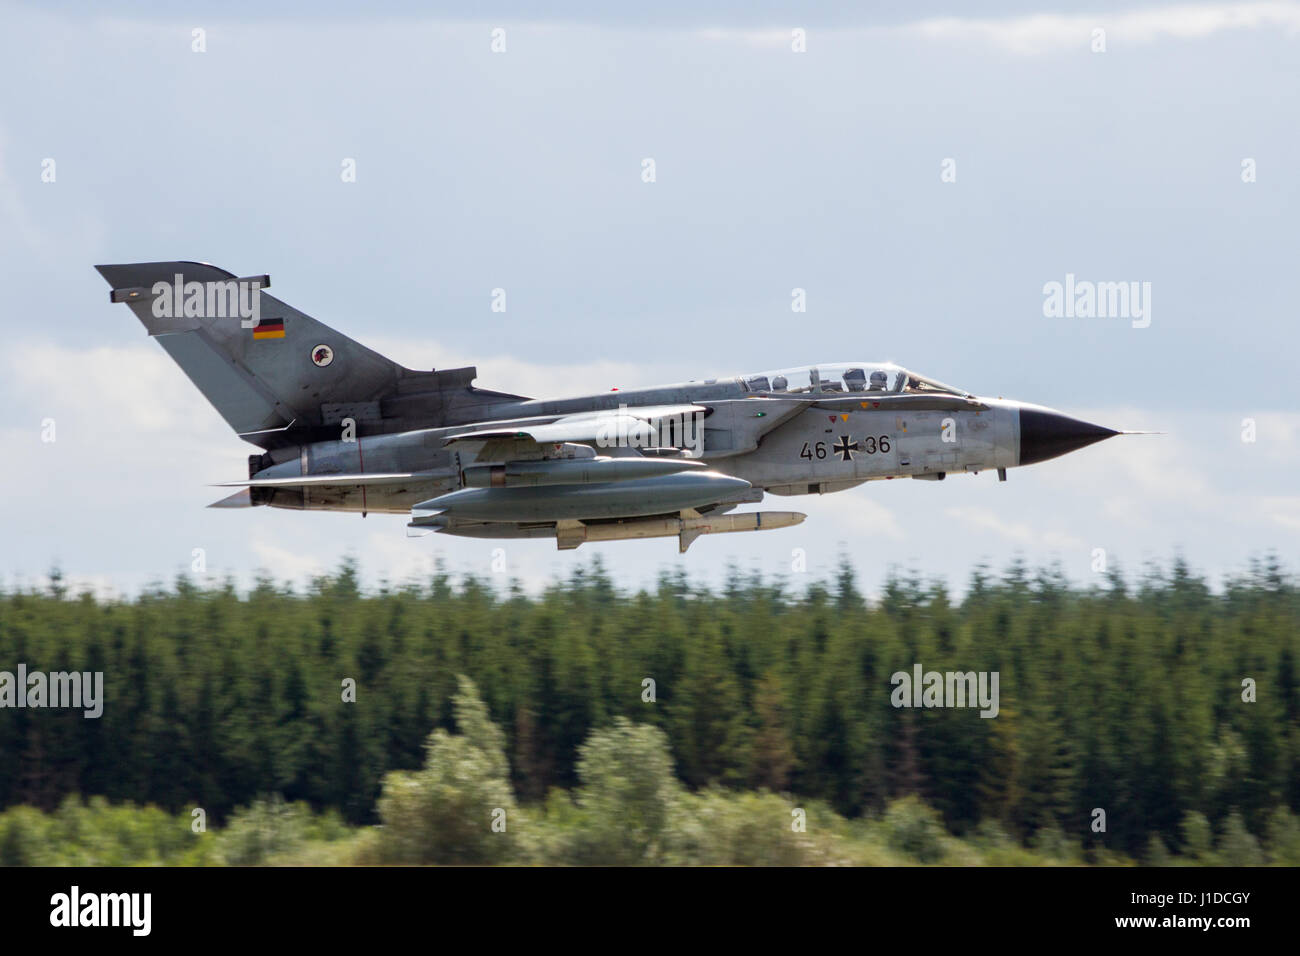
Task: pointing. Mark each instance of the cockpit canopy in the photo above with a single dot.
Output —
(853, 377)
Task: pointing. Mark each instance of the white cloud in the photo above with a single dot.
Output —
(506, 373)
(1050, 33)
(134, 387)
(1277, 436)
(1042, 33)
(1018, 532)
(853, 512)
(1284, 511)
(287, 563)
(762, 39)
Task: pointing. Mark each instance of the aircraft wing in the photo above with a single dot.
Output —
(614, 425)
(312, 481)
(328, 484)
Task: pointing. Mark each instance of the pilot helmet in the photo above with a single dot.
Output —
(879, 379)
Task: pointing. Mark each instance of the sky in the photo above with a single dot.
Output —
(921, 170)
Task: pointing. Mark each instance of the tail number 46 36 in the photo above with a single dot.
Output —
(845, 449)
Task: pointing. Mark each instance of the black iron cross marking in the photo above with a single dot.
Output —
(844, 448)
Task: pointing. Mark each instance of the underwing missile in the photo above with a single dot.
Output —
(570, 534)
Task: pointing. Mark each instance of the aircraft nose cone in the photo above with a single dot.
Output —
(1046, 434)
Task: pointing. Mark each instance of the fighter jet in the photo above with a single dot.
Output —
(341, 428)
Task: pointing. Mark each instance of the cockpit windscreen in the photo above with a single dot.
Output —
(880, 377)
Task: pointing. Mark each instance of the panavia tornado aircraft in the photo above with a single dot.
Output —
(342, 428)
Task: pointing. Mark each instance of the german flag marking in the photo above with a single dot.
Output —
(269, 329)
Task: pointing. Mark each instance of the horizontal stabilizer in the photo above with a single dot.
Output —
(240, 499)
(310, 481)
(146, 293)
